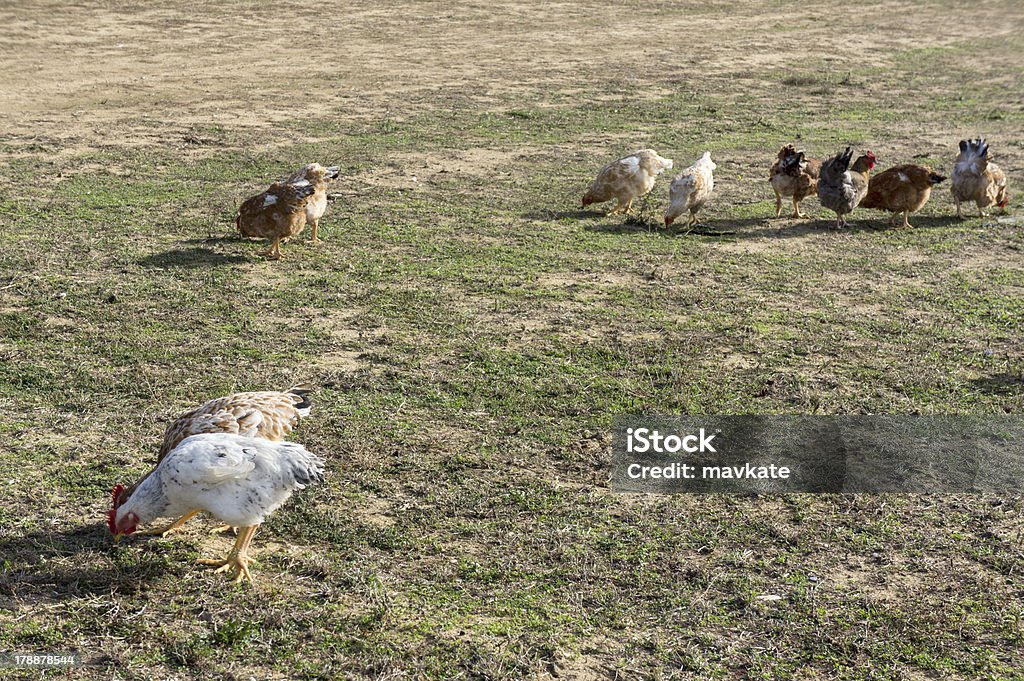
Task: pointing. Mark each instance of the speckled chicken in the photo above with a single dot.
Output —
(977, 178)
(626, 179)
(841, 187)
(316, 176)
(277, 214)
(901, 189)
(690, 190)
(239, 480)
(268, 414)
(794, 175)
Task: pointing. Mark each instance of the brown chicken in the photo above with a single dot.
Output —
(841, 187)
(316, 175)
(277, 214)
(901, 189)
(976, 178)
(271, 415)
(794, 175)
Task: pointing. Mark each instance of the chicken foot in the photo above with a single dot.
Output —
(236, 563)
(274, 252)
(796, 209)
(621, 207)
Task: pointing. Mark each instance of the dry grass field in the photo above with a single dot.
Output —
(472, 333)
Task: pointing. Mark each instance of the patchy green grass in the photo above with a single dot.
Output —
(472, 334)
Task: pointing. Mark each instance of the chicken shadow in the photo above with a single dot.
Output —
(223, 239)
(932, 221)
(706, 228)
(628, 226)
(193, 257)
(547, 214)
(789, 228)
(1003, 385)
(65, 564)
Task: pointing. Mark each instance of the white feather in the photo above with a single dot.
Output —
(632, 163)
(238, 480)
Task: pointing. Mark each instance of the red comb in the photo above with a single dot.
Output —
(112, 515)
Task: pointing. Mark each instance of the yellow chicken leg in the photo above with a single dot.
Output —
(236, 563)
(796, 208)
(168, 529)
(274, 252)
(312, 236)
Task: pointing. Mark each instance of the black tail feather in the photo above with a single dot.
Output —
(302, 391)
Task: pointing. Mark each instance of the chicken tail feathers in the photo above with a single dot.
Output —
(302, 391)
(834, 168)
(981, 148)
(305, 467)
(845, 158)
(935, 178)
(973, 156)
(332, 172)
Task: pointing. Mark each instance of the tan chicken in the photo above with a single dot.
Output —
(690, 190)
(976, 178)
(794, 175)
(626, 179)
(271, 415)
(316, 175)
(901, 189)
(277, 214)
(841, 187)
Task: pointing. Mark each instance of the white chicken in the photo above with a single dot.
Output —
(690, 190)
(269, 414)
(316, 175)
(239, 480)
(626, 179)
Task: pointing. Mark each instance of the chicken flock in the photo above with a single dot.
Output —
(841, 183)
(229, 457)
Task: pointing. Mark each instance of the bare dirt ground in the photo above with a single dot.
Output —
(87, 76)
(472, 333)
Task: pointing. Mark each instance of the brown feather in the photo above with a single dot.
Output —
(268, 414)
(278, 213)
(900, 188)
